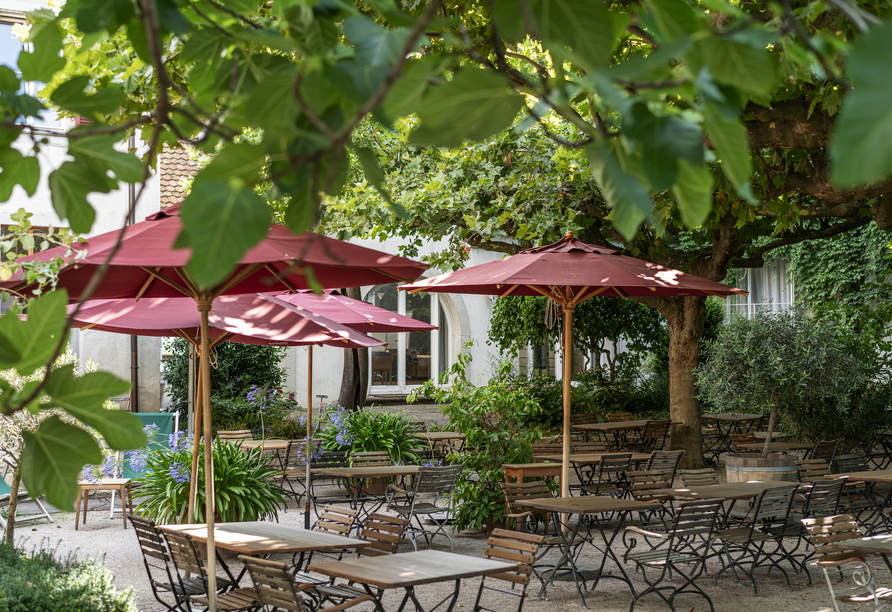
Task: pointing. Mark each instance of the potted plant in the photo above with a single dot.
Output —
(771, 361)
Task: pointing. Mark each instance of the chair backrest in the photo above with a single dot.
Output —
(547, 449)
(812, 469)
(591, 447)
(153, 549)
(516, 493)
(642, 483)
(185, 558)
(665, 461)
(582, 419)
(384, 532)
(619, 417)
(826, 530)
(331, 459)
(336, 519)
(699, 478)
(436, 482)
(273, 583)
(614, 465)
(513, 547)
(855, 462)
(236, 434)
(656, 430)
(694, 521)
(370, 458)
(745, 437)
(762, 423)
(773, 507)
(825, 449)
(822, 498)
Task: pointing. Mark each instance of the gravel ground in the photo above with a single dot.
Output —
(105, 537)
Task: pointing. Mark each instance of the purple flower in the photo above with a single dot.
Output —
(139, 460)
(178, 441)
(179, 472)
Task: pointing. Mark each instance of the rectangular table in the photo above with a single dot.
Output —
(519, 471)
(874, 545)
(731, 491)
(593, 507)
(411, 569)
(778, 446)
(775, 435)
(360, 490)
(263, 538)
(880, 520)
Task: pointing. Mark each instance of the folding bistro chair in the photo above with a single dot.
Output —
(6, 496)
(511, 547)
(825, 449)
(608, 477)
(665, 461)
(683, 551)
(433, 486)
(329, 459)
(163, 578)
(235, 435)
(652, 438)
(641, 484)
(699, 478)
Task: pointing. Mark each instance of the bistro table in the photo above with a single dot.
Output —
(411, 569)
(440, 436)
(730, 491)
(519, 471)
(592, 507)
(874, 545)
(579, 460)
(274, 445)
(619, 428)
(360, 490)
(775, 435)
(777, 446)
(263, 538)
(880, 519)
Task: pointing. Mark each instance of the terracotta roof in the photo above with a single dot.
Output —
(175, 165)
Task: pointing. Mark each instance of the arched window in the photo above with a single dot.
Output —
(408, 359)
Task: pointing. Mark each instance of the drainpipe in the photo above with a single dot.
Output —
(134, 340)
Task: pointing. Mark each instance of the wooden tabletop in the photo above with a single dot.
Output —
(870, 476)
(586, 504)
(879, 544)
(265, 538)
(410, 569)
(105, 482)
(780, 446)
(775, 435)
(264, 444)
(440, 436)
(731, 417)
(590, 458)
(381, 471)
(730, 490)
(616, 425)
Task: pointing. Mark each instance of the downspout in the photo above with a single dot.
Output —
(134, 340)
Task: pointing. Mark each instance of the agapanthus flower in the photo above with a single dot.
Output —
(179, 472)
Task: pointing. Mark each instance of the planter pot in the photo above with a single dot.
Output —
(754, 466)
(491, 524)
(371, 486)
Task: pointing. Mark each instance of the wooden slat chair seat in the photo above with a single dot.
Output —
(430, 495)
(159, 566)
(277, 591)
(235, 435)
(681, 549)
(515, 509)
(188, 564)
(510, 547)
(329, 459)
(370, 459)
(555, 448)
(836, 530)
(618, 417)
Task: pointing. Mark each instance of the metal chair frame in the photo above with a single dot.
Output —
(156, 558)
(511, 547)
(432, 486)
(608, 477)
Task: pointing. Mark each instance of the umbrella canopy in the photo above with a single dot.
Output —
(570, 272)
(147, 264)
(355, 314)
(248, 319)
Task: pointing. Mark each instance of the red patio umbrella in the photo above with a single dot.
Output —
(570, 272)
(247, 319)
(148, 265)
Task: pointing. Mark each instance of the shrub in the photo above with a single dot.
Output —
(495, 419)
(38, 581)
(245, 488)
(366, 431)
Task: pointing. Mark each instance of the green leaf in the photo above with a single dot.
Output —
(52, 458)
(97, 15)
(17, 169)
(624, 194)
(268, 38)
(404, 98)
(375, 45)
(693, 192)
(83, 398)
(375, 176)
(474, 105)
(44, 61)
(747, 68)
(69, 185)
(220, 223)
(99, 153)
(240, 161)
(9, 81)
(37, 336)
(675, 18)
(70, 96)
(729, 138)
(272, 104)
(9, 353)
(861, 142)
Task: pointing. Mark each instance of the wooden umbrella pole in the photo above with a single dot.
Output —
(307, 449)
(204, 369)
(196, 437)
(568, 373)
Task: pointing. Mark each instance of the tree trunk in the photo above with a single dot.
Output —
(355, 381)
(771, 421)
(684, 316)
(13, 504)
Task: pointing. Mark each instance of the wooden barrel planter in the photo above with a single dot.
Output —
(755, 466)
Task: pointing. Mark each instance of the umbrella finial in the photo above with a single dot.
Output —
(569, 234)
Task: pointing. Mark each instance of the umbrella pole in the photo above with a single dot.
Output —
(196, 436)
(307, 449)
(204, 369)
(568, 373)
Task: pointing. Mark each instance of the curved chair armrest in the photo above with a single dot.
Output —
(647, 534)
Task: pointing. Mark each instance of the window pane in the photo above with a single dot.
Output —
(10, 47)
(384, 358)
(444, 342)
(418, 347)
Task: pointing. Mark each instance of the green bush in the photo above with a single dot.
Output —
(38, 581)
(367, 431)
(245, 488)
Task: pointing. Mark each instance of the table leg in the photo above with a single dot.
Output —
(608, 552)
(86, 500)
(880, 520)
(410, 596)
(123, 494)
(77, 509)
